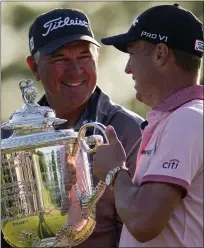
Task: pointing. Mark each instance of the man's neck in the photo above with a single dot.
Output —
(171, 85)
(71, 115)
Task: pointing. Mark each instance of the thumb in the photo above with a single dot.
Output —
(111, 135)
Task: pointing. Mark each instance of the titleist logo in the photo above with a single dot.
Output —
(60, 23)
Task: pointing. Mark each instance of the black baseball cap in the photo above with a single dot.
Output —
(58, 27)
(169, 24)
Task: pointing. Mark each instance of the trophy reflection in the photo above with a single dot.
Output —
(40, 205)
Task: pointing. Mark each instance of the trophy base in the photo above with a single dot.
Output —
(48, 242)
(34, 242)
(68, 237)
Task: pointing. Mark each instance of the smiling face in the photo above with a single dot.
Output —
(69, 76)
(140, 65)
(143, 64)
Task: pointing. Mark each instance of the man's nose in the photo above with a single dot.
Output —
(74, 67)
(127, 68)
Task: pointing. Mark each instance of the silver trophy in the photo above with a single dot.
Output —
(39, 208)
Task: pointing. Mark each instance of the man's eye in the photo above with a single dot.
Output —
(58, 60)
(85, 57)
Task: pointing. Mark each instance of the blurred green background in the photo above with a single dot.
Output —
(107, 18)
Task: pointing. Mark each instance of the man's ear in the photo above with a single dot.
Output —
(33, 66)
(161, 53)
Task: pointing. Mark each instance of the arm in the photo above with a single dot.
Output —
(130, 139)
(145, 211)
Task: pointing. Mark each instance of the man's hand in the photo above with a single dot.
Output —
(70, 172)
(109, 156)
(69, 176)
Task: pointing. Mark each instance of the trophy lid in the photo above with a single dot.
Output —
(31, 115)
(33, 125)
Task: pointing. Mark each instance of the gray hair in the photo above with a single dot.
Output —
(37, 57)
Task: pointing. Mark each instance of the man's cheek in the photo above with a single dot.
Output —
(53, 78)
(57, 79)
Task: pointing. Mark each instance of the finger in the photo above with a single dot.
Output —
(70, 166)
(70, 160)
(111, 135)
(74, 179)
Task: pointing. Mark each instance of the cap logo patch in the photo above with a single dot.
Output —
(154, 36)
(135, 21)
(199, 46)
(31, 44)
(60, 23)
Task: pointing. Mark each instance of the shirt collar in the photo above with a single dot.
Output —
(181, 97)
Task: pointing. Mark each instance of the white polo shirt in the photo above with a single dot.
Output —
(171, 151)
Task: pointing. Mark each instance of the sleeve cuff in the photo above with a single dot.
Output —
(167, 179)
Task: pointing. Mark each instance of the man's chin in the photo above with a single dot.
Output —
(138, 96)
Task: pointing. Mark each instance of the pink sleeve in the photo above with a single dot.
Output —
(179, 156)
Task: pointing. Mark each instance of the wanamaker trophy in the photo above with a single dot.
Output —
(38, 209)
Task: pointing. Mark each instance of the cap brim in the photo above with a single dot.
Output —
(54, 45)
(118, 41)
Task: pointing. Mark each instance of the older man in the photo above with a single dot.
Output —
(64, 57)
(163, 205)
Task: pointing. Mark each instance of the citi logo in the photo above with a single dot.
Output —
(172, 164)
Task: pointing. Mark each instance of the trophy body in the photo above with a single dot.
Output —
(39, 208)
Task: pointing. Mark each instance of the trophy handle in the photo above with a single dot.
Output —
(91, 139)
(88, 202)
